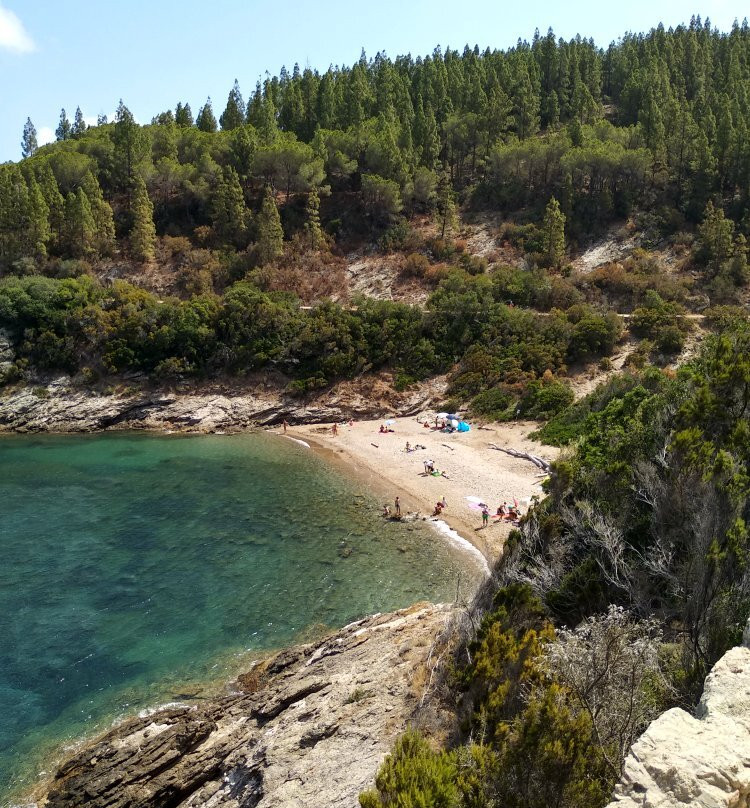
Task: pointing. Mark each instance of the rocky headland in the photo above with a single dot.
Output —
(59, 405)
(307, 727)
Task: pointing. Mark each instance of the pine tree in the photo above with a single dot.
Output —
(80, 230)
(101, 211)
(101, 119)
(206, 121)
(234, 114)
(447, 209)
(326, 102)
(554, 234)
(715, 234)
(14, 207)
(63, 128)
(739, 264)
(79, 125)
(244, 146)
(229, 213)
(55, 204)
(38, 227)
(143, 232)
(29, 143)
(263, 117)
(183, 115)
(130, 145)
(312, 221)
(270, 242)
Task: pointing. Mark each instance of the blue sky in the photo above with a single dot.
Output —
(153, 53)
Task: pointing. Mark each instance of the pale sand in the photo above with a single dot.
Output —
(472, 467)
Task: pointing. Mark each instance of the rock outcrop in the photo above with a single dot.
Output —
(60, 406)
(309, 727)
(704, 761)
(6, 353)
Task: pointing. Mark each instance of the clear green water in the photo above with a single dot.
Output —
(135, 569)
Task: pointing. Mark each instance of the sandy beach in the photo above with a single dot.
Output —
(472, 469)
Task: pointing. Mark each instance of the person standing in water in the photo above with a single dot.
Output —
(285, 425)
(398, 506)
(335, 429)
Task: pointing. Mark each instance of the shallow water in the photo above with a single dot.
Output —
(137, 568)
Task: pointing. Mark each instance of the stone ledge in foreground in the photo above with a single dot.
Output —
(313, 731)
(683, 760)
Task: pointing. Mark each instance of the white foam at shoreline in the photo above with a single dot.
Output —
(445, 529)
(297, 440)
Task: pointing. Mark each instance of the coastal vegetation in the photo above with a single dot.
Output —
(613, 600)
(623, 587)
(249, 213)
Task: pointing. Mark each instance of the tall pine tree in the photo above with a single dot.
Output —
(79, 125)
(206, 120)
(38, 222)
(234, 114)
(554, 234)
(29, 144)
(270, 240)
(55, 204)
(101, 211)
(183, 115)
(229, 213)
(80, 229)
(64, 128)
(130, 145)
(143, 232)
(313, 229)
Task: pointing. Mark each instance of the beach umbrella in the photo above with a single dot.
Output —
(389, 422)
(475, 500)
(454, 422)
(441, 415)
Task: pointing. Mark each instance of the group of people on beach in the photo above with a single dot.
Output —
(505, 511)
(440, 506)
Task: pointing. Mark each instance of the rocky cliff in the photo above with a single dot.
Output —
(309, 727)
(60, 406)
(701, 760)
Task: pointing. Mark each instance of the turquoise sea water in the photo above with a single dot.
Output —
(135, 569)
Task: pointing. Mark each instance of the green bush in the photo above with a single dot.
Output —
(544, 398)
(415, 265)
(414, 775)
(493, 403)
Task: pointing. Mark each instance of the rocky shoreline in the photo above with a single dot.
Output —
(59, 405)
(308, 727)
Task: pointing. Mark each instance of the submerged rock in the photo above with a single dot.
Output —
(310, 727)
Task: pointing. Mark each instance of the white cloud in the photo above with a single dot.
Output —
(13, 36)
(45, 134)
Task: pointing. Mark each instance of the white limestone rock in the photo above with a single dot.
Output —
(701, 761)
